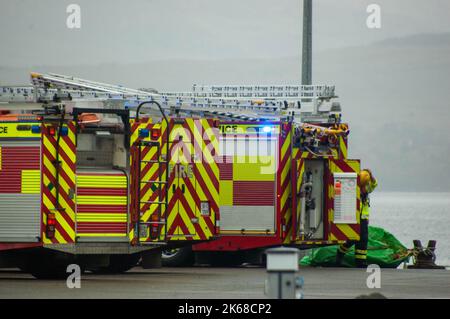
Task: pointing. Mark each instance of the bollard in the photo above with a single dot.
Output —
(282, 268)
(426, 257)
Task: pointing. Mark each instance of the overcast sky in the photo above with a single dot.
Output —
(130, 31)
(393, 82)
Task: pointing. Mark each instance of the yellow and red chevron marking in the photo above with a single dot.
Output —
(149, 192)
(296, 178)
(205, 140)
(341, 232)
(343, 147)
(306, 154)
(63, 204)
(146, 171)
(101, 204)
(284, 185)
(193, 153)
(143, 169)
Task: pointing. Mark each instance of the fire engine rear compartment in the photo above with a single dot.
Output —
(20, 191)
(248, 189)
(314, 198)
(102, 186)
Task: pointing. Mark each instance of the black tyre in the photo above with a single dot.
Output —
(226, 259)
(49, 272)
(51, 265)
(118, 264)
(178, 257)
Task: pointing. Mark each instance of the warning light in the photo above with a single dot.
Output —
(154, 227)
(64, 131)
(156, 133)
(143, 133)
(35, 129)
(267, 129)
(52, 131)
(51, 220)
(51, 225)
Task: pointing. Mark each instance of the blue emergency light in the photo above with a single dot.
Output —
(36, 129)
(267, 129)
(64, 131)
(143, 132)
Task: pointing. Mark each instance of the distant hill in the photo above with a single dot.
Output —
(435, 40)
(395, 95)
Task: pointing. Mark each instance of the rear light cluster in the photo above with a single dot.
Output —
(156, 133)
(51, 225)
(154, 227)
(51, 130)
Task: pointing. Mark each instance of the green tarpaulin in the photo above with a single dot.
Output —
(383, 249)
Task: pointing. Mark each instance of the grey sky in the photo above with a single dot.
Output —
(393, 82)
(35, 32)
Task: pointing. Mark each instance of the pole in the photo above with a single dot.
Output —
(307, 43)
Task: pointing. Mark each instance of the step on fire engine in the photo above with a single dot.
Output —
(271, 161)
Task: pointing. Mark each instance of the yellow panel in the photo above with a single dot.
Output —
(254, 168)
(226, 193)
(101, 181)
(10, 130)
(101, 217)
(31, 181)
(98, 200)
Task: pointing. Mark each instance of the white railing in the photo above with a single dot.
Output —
(266, 91)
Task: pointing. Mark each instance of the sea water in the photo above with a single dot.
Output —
(410, 216)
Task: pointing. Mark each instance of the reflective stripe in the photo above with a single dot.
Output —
(360, 251)
(361, 256)
(365, 211)
(343, 250)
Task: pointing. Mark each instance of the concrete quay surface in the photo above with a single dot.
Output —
(227, 283)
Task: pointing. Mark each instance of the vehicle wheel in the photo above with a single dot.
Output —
(118, 264)
(49, 272)
(178, 257)
(226, 260)
(49, 266)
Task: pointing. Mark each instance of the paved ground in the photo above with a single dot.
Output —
(246, 283)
